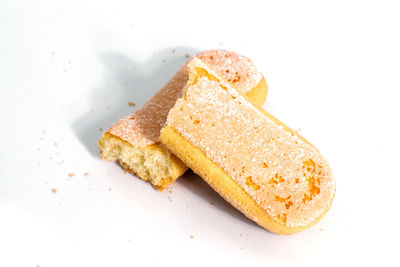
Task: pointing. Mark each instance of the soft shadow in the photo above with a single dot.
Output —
(125, 81)
(201, 189)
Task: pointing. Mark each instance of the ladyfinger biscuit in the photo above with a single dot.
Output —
(133, 141)
(262, 167)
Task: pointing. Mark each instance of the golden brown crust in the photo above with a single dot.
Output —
(217, 178)
(212, 129)
(257, 95)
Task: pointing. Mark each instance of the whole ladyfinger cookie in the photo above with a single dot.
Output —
(133, 140)
(258, 164)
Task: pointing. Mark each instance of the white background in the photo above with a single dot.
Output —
(69, 68)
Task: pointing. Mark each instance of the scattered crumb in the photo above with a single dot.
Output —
(320, 229)
(131, 104)
(71, 174)
(241, 235)
(187, 56)
(191, 236)
(86, 174)
(170, 199)
(173, 51)
(109, 189)
(125, 171)
(55, 144)
(101, 129)
(170, 191)
(54, 190)
(212, 203)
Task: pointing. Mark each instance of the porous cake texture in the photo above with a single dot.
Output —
(133, 140)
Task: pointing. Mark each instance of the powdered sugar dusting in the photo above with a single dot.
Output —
(284, 174)
(237, 70)
(143, 127)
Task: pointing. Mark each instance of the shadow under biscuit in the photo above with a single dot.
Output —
(125, 80)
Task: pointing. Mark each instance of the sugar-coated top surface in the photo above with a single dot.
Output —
(239, 71)
(143, 127)
(285, 175)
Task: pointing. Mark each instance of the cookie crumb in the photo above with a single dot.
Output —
(170, 191)
(53, 190)
(71, 174)
(173, 51)
(212, 203)
(100, 129)
(109, 189)
(86, 174)
(187, 56)
(191, 236)
(131, 104)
